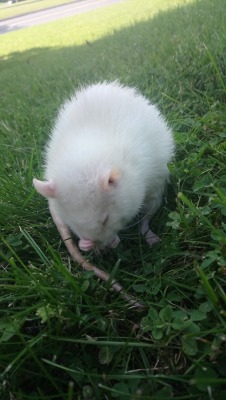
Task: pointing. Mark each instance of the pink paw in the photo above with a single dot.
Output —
(114, 242)
(151, 238)
(86, 244)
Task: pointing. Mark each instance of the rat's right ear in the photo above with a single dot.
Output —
(110, 179)
(45, 188)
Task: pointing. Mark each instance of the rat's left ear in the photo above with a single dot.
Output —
(45, 188)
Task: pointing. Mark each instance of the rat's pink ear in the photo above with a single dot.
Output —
(45, 188)
(110, 179)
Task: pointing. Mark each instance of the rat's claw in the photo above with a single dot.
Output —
(86, 244)
(114, 242)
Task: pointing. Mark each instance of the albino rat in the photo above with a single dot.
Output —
(106, 160)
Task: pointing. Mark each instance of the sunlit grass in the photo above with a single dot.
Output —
(91, 26)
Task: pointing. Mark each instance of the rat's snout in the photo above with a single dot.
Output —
(112, 243)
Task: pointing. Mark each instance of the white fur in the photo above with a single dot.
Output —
(104, 131)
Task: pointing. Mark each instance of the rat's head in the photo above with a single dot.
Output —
(94, 206)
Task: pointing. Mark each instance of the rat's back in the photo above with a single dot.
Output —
(112, 122)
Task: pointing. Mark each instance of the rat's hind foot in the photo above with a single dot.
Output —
(151, 238)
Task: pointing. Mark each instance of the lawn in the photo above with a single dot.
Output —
(64, 334)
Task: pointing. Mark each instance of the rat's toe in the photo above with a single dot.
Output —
(114, 242)
(85, 244)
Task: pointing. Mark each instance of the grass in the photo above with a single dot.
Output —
(27, 6)
(65, 335)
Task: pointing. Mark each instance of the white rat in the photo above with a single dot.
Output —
(106, 160)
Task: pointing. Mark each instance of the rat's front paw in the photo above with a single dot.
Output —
(114, 242)
(85, 244)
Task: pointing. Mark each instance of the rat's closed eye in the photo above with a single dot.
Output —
(105, 219)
